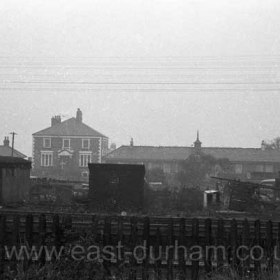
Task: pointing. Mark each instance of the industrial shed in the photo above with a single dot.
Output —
(14, 179)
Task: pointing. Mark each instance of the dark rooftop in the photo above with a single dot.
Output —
(162, 153)
(14, 161)
(70, 127)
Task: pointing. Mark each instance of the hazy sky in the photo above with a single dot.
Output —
(139, 27)
(154, 70)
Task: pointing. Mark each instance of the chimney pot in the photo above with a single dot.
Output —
(79, 116)
(55, 120)
(6, 141)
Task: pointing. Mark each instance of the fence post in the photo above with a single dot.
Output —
(107, 231)
(29, 229)
(257, 263)
(2, 242)
(107, 241)
(146, 237)
(170, 251)
(28, 235)
(233, 244)
(220, 242)
(195, 242)
(269, 246)
(208, 241)
(182, 253)
(158, 250)
(133, 243)
(68, 222)
(15, 233)
(245, 264)
(56, 231)
(93, 226)
(42, 236)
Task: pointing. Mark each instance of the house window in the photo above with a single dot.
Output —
(84, 160)
(166, 168)
(46, 159)
(85, 143)
(269, 168)
(238, 168)
(66, 144)
(259, 168)
(46, 142)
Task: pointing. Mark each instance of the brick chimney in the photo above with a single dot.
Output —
(55, 120)
(79, 115)
(6, 141)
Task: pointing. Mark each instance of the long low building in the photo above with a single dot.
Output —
(247, 163)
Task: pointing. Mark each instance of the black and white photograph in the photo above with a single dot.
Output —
(139, 140)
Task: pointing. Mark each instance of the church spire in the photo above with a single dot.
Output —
(197, 143)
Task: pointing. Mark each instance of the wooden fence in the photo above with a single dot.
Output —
(188, 246)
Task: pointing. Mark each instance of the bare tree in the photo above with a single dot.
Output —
(272, 145)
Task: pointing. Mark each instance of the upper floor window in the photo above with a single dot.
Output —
(166, 167)
(85, 159)
(66, 144)
(85, 143)
(46, 142)
(46, 159)
(269, 168)
(238, 168)
(259, 168)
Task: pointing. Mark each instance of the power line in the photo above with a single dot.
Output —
(144, 83)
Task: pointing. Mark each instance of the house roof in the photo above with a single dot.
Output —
(70, 127)
(6, 151)
(14, 162)
(150, 153)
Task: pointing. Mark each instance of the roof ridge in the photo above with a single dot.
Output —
(150, 146)
(94, 130)
(15, 151)
(70, 127)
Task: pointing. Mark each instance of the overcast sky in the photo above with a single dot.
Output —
(154, 70)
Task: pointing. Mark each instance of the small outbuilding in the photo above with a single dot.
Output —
(116, 187)
(14, 179)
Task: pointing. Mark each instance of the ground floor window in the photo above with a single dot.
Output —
(46, 159)
(84, 160)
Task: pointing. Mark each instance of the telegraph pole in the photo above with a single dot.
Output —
(13, 141)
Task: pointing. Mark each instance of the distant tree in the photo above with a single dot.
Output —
(272, 145)
(196, 169)
(155, 175)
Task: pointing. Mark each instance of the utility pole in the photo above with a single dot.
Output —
(13, 142)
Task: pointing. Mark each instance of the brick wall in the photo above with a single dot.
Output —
(74, 170)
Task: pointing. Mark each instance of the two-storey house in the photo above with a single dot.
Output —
(64, 149)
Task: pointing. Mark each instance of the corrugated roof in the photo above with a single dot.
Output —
(6, 151)
(70, 127)
(150, 153)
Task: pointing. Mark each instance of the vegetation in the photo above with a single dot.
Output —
(196, 169)
(156, 175)
(272, 145)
